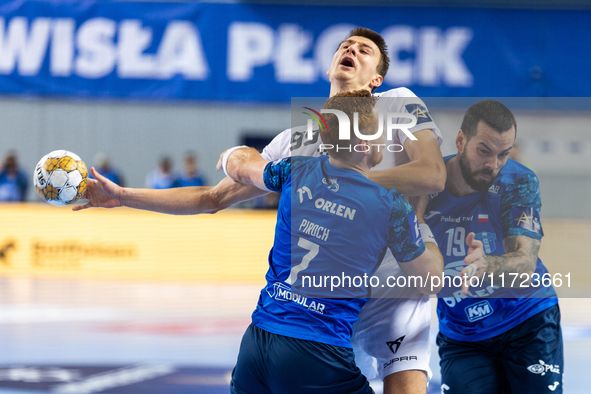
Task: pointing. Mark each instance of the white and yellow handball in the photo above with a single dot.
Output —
(60, 177)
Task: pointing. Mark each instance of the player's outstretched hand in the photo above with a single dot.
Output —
(476, 260)
(219, 166)
(101, 193)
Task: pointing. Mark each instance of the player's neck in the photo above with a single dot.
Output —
(455, 183)
(360, 167)
(345, 86)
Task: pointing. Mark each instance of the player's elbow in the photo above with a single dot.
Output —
(428, 289)
(215, 201)
(529, 268)
(437, 177)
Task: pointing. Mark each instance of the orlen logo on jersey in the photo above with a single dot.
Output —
(479, 311)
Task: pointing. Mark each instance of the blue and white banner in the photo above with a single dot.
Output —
(164, 50)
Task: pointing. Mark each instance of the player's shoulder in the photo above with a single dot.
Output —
(515, 172)
(296, 129)
(399, 203)
(285, 135)
(516, 183)
(398, 92)
(292, 161)
(300, 161)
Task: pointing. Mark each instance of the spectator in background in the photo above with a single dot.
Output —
(103, 165)
(162, 177)
(190, 176)
(517, 156)
(515, 152)
(13, 181)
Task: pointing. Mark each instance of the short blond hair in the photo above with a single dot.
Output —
(360, 101)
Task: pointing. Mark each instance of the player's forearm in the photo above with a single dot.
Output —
(507, 266)
(412, 179)
(434, 267)
(227, 193)
(176, 201)
(426, 266)
(521, 258)
(246, 166)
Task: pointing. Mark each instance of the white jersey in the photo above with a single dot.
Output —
(392, 333)
(293, 141)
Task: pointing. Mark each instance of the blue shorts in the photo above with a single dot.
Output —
(526, 359)
(270, 363)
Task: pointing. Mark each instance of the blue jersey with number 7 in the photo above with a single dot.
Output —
(510, 207)
(333, 228)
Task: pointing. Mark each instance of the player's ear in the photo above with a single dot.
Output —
(376, 81)
(461, 140)
(367, 146)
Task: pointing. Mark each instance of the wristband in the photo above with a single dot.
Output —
(426, 233)
(225, 159)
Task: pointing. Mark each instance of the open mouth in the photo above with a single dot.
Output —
(347, 62)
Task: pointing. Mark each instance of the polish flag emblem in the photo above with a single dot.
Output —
(482, 218)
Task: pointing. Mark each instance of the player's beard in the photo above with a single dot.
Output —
(471, 176)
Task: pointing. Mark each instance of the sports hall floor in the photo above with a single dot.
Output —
(72, 336)
(121, 335)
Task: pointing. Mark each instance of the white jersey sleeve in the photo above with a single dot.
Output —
(402, 100)
(278, 148)
(293, 142)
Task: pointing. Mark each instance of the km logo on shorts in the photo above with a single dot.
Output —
(397, 342)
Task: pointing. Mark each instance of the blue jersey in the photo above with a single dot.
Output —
(511, 206)
(330, 221)
(183, 180)
(13, 187)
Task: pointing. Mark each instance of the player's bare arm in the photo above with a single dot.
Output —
(244, 165)
(521, 255)
(426, 172)
(411, 381)
(433, 260)
(102, 193)
(430, 263)
(225, 194)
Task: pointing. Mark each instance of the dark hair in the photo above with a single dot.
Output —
(491, 112)
(384, 63)
(360, 101)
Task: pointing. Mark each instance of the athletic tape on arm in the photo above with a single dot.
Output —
(225, 159)
(426, 233)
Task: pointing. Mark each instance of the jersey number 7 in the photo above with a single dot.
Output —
(296, 269)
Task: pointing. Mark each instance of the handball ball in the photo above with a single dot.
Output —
(60, 177)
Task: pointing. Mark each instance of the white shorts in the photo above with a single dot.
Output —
(392, 333)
